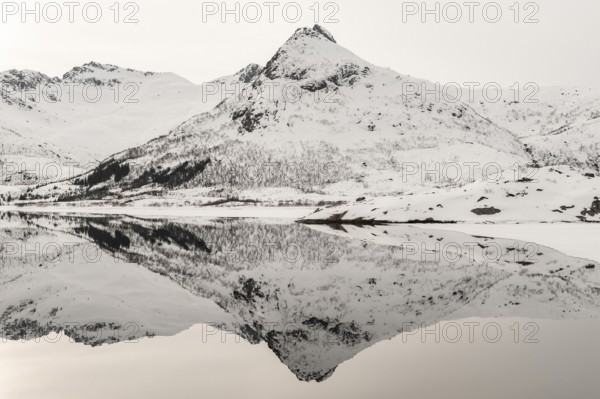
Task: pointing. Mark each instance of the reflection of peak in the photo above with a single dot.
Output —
(314, 376)
(293, 348)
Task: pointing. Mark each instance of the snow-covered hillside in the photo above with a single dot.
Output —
(560, 125)
(96, 110)
(24, 159)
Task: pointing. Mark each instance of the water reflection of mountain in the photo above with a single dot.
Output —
(316, 295)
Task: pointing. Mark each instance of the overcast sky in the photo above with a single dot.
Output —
(560, 49)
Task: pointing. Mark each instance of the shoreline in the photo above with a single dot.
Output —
(158, 212)
(299, 214)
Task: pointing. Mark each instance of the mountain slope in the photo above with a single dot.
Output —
(96, 110)
(27, 161)
(315, 106)
(560, 125)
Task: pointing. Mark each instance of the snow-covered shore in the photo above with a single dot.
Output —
(155, 212)
(551, 194)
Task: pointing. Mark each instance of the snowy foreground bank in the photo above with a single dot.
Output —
(558, 194)
(172, 212)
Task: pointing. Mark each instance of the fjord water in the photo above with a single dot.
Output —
(149, 308)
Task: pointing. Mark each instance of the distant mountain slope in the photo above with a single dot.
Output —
(96, 110)
(27, 161)
(560, 125)
(315, 103)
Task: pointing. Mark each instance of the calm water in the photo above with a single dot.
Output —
(131, 307)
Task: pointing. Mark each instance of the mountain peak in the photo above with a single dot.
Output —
(15, 82)
(96, 72)
(249, 72)
(316, 31)
(310, 54)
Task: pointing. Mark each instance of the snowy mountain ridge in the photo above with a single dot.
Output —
(368, 130)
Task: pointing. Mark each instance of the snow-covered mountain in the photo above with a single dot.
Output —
(344, 124)
(317, 124)
(96, 110)
(341, 291)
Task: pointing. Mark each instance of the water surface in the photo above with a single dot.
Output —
(270, 308)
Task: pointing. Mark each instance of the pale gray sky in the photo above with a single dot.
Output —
(171, 36)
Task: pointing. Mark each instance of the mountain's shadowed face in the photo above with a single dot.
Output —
(316, 295)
